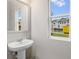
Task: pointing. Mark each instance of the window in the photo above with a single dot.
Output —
(18, 20)
(59, 18)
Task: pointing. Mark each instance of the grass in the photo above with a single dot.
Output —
(60, 35)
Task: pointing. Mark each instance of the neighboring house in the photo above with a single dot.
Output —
(57, 24)
(63, 22)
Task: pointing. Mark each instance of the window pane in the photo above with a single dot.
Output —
(60, 17)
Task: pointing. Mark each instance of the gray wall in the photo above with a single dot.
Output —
(10, 15)
(44, 48)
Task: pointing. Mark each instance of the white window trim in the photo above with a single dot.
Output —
(55, 37)
(59, 38)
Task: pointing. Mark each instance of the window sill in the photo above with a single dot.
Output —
(60, 38)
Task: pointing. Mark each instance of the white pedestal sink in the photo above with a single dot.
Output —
(20, 46)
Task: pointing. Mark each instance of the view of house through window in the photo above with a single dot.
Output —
(60, 17)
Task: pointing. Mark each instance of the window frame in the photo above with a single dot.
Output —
(49, 28)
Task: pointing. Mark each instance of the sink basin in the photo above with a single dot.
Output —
(20, 44)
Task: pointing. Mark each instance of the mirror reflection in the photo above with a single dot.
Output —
(18, 15)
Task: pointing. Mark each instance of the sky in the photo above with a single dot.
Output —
(19, 14)
(59, 7)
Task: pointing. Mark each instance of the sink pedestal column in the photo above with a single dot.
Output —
(21, 54)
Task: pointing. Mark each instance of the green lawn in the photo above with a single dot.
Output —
(60, 35)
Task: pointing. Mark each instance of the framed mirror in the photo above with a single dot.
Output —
(18, 16)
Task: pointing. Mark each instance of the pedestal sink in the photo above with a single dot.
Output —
(20, 46)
